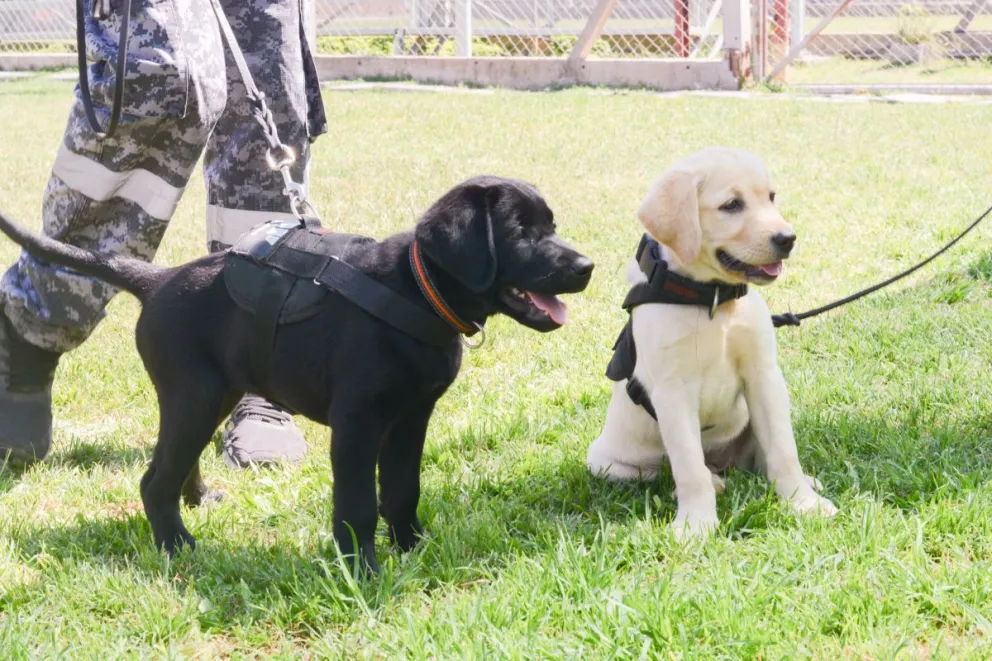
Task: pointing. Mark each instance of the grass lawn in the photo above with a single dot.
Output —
(944, 71)
(532, 557)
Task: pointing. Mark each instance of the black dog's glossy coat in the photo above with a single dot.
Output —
(375, 386)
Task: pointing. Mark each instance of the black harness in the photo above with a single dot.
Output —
(663, 286)
(281, 270)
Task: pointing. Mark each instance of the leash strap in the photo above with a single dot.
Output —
(790, 319)
(101, 10)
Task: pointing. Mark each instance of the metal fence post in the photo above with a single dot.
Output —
(798, 14)
(463, 27)
(737, 34)
(683, 40)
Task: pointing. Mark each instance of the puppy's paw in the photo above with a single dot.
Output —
(212, 496)
(688, 526)
(719, 484)
(616, 471)
(813, 504)
(177, 542)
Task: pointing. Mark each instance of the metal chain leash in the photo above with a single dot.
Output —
(279, 156)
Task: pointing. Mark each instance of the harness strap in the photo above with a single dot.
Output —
(382, 302)
(638, 395)
(311, 253)
(273, 296)
(665, 286)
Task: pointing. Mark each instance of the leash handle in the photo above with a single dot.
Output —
(790, 319)
(101, 11)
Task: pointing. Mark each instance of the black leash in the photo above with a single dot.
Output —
(790, 319)
(101, 10)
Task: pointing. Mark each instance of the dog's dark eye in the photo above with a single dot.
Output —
(771, 196)
(735, 205)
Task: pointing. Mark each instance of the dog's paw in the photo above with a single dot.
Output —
(813, 504)
(212, 496)
(719, 484)
(177, 542)
(688, 527)
(616, 471)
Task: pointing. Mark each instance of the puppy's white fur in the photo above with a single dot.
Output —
(718, 374)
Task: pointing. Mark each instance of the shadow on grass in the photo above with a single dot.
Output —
(479, 530)
(88, 456)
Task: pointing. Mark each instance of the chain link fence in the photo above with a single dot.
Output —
(636, 28)
(37, 26)
(535, 28)
(924, 42)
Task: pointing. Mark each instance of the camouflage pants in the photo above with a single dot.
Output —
(182, 95)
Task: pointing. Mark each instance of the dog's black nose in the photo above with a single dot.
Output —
(784, 241)
(583, 266)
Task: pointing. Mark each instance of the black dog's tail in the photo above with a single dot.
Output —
(125, 273)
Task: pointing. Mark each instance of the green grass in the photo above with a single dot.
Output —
(944, 71)
(531, 557)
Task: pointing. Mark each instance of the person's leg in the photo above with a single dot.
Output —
(115, 195)
(241, 189)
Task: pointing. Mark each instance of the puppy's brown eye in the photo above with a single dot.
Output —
(733, 206)
(771, 196)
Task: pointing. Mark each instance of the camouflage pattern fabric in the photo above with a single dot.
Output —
(182, 94)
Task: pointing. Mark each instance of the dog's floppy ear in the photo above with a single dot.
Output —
(457, 234)
(670, 214)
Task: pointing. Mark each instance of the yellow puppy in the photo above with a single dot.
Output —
(715, 383)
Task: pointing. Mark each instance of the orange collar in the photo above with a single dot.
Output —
(430, 292)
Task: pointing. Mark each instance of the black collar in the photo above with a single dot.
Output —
(433, 296)
(665, 286)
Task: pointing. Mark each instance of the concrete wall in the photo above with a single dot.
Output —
(529, 73)
(532, 73)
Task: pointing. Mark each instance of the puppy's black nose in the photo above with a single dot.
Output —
(784, 241)
(583, 266)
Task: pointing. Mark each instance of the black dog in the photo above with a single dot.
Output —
(490, 246)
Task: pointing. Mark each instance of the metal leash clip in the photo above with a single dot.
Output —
(716, 301)
(280, 158)
(477, 345)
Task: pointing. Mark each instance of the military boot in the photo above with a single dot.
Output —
(26, 376)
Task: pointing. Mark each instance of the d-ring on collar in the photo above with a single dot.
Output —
(443, 310)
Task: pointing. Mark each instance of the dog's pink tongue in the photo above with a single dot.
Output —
(552, 305)
(772, 270)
